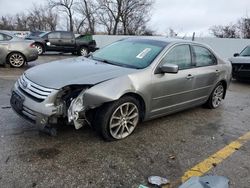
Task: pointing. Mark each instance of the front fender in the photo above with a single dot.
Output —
(110, 90)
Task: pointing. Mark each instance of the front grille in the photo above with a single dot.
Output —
(29, 113)
(34, 91)
(239, 67)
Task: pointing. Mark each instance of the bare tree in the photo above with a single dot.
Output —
(124, 16)
(21, 22)
(88, 10)
(41, 18)
(66, 6)
(7, 23)
(51, 19)
(110, 12)
(133, 21)
(228, 31)
(244, 27)
(106, 19)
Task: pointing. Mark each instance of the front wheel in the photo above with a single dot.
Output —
(117, 120)
(83, 51)
(39, 48)
(216, 96)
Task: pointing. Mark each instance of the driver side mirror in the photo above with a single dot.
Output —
(168, 68)
(236, 54)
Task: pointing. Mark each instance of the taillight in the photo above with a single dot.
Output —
(32, 45)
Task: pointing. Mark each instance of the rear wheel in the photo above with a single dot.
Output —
(117, 120)
(216, 96)
(16, 59)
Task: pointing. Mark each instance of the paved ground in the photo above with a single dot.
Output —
(82, 159)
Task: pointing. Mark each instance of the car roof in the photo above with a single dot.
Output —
(166, 40)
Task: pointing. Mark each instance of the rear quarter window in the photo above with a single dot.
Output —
(4, 37)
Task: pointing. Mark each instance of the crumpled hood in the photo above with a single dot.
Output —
(71, 71)
(240, 59)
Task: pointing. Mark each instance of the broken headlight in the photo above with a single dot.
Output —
(76, 110)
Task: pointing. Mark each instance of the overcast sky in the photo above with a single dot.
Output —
(184, 16)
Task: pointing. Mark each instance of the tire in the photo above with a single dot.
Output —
(117, 120)
(216, 96)
(39, 48)
(16, 59)
(83, 51)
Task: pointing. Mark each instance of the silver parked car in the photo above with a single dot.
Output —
(16, 51)
(120, 85)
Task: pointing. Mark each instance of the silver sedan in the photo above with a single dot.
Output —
(120, 85)
(16, 51)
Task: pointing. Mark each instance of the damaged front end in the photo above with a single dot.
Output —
(77, 111)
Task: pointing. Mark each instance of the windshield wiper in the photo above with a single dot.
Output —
(115, 63)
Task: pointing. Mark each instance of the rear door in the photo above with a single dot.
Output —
(206, 72)
(4, 45)
(68, 41)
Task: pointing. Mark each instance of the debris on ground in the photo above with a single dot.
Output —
(6, 107)
(49, 130)
(183, 140)
(8, 158)
(171, 157)
(157, 180)
(206, 182)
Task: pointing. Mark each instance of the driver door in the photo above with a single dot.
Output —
(173, 91)
(54, 41)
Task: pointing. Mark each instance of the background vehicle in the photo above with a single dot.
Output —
(34, 34)
(63, 41)
(241, 64)
(120, 85)
(16, 51)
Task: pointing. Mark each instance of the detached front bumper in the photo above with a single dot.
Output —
(30, 107)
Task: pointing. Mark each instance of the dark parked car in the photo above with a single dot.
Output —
(16, 51)
(62, 41)
(241, 64)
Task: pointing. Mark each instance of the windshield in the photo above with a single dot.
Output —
(42, 34)
(130, 53)
(245, 52)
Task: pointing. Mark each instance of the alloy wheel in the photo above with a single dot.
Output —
(124, 120)
(217, 96)
(39, 49)
(16, 60)
(84, 51)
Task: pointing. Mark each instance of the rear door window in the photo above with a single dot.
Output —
(65, 35)
(203, 57)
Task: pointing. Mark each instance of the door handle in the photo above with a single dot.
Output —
(189, 76)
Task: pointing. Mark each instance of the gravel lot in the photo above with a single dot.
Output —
(80, 158)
